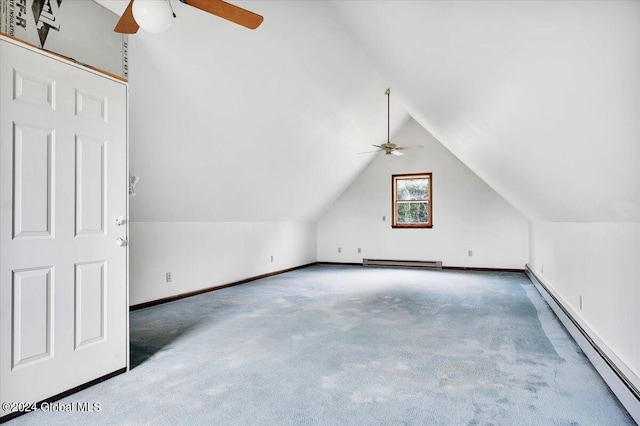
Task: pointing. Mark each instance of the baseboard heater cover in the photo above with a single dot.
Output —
(624, 389)
(436, 264)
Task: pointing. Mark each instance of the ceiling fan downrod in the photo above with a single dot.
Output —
(388, 93)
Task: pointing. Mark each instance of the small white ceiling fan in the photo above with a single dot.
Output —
(389, 147)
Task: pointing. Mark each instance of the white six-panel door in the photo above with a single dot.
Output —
(63, 184)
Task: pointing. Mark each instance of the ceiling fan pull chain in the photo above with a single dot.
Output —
(171, 6)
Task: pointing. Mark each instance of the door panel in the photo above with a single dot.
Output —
(37, 91)
(32, 308)
(91, 176)
(33, 149)
(90, 303)
(91, 106)
(63, 183)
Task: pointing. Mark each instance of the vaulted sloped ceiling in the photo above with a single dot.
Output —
(228, 124)
(540, 98)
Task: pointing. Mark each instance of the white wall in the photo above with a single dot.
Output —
(467, 214)
(601, 263)
(223, 116)
(536, 97)
(206, 254)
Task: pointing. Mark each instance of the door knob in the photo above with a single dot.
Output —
(121, 242)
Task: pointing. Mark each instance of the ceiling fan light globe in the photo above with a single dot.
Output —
(388, 158)
(153, 16)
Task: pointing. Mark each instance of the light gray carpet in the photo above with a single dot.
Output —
(351, 345)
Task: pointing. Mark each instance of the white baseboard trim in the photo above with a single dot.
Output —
(617, 376)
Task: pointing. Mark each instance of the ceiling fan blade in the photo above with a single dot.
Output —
(369, 152)
(127, 23)
(404, 148)
(396, 152)
(228, 11)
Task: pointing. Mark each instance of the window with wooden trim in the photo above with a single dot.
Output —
(411, 201)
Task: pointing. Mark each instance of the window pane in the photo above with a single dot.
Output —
(412, 189)
(413, 212)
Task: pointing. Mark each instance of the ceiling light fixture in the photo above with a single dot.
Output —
(153, 16)
(389, 147)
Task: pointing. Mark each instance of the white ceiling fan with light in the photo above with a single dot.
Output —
(155, 16)
(390, 148)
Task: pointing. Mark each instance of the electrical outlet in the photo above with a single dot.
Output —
(359, 250)
(272, 259)
(167, 277)
(384, 218)
(470, 253)
(542, 269)
(339, 249)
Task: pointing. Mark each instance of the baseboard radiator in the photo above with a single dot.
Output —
(621, 383)
(430, 264)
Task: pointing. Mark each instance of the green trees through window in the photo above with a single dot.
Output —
(411, 200)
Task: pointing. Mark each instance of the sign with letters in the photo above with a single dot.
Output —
(80, 30)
